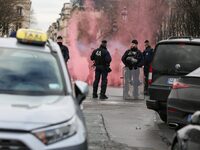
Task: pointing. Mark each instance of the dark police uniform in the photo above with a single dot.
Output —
(148, 56)
(102, 60)
(65, 52)
(64, 49)
(132, 53)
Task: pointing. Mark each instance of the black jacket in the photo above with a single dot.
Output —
(148, 55)
(65, 52)
(135, 54)
(101, 57)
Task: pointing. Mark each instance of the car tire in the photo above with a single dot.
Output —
(163, 117)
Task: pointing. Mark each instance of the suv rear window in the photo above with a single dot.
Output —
(167, 56)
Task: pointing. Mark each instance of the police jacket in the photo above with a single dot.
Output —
(65, 52)
(148, 56)
(101, 57)
(132, 58)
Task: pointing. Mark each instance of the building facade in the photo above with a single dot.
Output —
(78, 3)
(59, 28)
(163, 31)
(21, 17)
(23, 10)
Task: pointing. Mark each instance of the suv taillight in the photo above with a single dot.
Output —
(150, 75)
(179, 85)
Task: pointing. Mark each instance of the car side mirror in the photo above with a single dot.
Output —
(81, 91)
(195, 120)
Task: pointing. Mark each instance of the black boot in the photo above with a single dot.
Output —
(103, 97)
(95, 96)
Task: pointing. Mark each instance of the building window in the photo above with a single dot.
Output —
(19, 10)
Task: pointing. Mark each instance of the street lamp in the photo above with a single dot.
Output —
(124, 14)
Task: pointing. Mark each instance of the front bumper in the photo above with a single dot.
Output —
(30, 142)
(83, 146)
(27, 141)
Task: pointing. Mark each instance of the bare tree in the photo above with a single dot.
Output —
(183, 19)
(8, 14)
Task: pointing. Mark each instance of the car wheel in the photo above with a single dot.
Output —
(163, 117)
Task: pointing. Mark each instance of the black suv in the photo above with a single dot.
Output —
(173, 58)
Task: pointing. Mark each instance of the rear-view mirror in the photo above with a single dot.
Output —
(195, 118)
(81, 91)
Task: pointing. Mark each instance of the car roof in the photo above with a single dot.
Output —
(12, 43)
(182, 40)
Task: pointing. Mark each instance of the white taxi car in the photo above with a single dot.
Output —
(39, 110)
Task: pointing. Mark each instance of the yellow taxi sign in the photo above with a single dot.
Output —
(32, 36)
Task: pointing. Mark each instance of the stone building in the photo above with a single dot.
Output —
(21, 18)
(59, 28)
(23, 10)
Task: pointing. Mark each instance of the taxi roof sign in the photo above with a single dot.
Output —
(30, 36)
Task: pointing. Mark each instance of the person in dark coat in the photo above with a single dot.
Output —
(132, 60)
(64, 49)
(148, 56)
(102, 60)
(13, 34)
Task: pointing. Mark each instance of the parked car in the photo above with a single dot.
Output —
(184, 99)
(173, 58)
(188, 138)
(39, 109)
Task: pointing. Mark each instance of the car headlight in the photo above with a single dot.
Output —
(57, 133)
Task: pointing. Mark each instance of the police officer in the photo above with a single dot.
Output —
(64, 49)
(102, 60)
(148, 56)
(132, 60)
(13, 34)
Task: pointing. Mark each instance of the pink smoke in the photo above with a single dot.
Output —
(77, 62)
(134, 19)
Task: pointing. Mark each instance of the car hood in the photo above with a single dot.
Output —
(31, 112)
(195, 73)
(187, 130)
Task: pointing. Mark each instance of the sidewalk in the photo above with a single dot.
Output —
(115, 96)
(111, 91)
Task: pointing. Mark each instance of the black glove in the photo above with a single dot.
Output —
(130, 67)
(108, 69)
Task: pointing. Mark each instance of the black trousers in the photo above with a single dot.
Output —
(100, 73)
(146, 76)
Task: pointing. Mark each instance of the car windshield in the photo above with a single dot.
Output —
(29, 72)
(176, 58)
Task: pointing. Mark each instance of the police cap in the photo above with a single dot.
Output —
(135, 42)
(104, 42)
(59, 38)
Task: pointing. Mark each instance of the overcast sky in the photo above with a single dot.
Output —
(46, 12)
